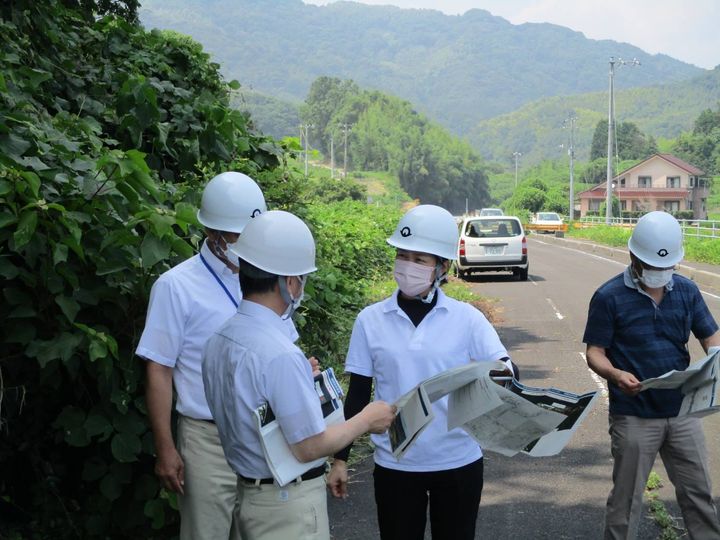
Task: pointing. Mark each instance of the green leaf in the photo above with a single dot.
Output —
(71, 422)
(110, 487)
(33, 180)
(186, 213)
(60, 253)
(13, 146)
(234, 84)
(7, 269)
(7, 218)
(155, 509)
(61, 347)
(153, 250)
(125, 447)
(97, 350)
(5, 187)
(97, 424)
(26, 228)
(130, 423)
(68, 306)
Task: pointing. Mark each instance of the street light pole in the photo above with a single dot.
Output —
(571, 120)
(611, 130)
(304, 134)
(516, 155)
(345, 127)
(332, 156)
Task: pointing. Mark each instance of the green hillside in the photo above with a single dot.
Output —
(456, 69)
(536, 129)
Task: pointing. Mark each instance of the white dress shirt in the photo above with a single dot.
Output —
(250, 361)
(386, 345)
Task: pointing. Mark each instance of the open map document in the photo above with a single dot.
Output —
(282, 462)
(507, 420)
(698, 383)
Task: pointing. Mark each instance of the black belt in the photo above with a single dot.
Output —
(309, 475)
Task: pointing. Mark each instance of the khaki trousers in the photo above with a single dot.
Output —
(681, 443)
(297, 511)
(206, 509)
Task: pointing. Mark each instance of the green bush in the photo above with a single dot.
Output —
(106, 134)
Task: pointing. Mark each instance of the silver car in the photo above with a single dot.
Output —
(492, 244)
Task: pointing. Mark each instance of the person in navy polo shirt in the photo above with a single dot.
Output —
(638, 327)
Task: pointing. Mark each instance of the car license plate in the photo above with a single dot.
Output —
(493, 250)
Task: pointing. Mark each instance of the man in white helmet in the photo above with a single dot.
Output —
(187, 304)
(252, 360)
(638, 327)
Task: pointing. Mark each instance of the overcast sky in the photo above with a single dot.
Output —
(688, 30)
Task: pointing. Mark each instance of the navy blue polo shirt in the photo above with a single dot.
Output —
(646, 339)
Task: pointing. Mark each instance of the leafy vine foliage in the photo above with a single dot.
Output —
(107, 133)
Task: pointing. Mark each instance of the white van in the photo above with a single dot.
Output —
(492, 244)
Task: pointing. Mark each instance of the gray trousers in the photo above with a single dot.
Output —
(681, 443)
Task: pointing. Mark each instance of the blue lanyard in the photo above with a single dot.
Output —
(224, 288)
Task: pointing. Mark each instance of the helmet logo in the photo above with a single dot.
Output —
(405, 232)
(663, 252)
(256, 213)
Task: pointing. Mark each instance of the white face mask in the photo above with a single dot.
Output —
(229, 255)
(293, 303)
(655, 279)
(413, 278)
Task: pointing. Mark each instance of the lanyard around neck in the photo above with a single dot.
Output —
(224, 288)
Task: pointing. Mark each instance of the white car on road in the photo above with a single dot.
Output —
(492, 244)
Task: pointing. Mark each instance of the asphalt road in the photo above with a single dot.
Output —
(541, 322)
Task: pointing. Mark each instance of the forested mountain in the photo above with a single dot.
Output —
(456, 69)
(386, 134)
(536, 129)
(273, 116)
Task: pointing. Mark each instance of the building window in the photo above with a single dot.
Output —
(644, 181)
(692, 181)
(622, 182)
(689, 205)
(672, 206)
(673, 182)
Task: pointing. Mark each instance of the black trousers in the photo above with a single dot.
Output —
(402, 500)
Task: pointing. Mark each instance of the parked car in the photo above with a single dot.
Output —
(491, 212)
(492, 244)
(547, 222)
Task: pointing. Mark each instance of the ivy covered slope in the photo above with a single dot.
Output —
(106, 133)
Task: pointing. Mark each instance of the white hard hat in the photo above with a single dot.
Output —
(229, 201)
(428, 229)
(657, 240)
(277, 242)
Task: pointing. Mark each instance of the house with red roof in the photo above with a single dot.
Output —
(661, 182)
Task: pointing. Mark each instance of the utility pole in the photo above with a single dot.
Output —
(516, 155)
(345, 128)
(611, 130)
(332, 156)
(570, 122)
(304, 136)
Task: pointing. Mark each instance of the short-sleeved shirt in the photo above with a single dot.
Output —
(386, 345)
(187, 305)
(647, 339)
(250, 361)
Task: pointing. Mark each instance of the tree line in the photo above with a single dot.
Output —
(387, 134)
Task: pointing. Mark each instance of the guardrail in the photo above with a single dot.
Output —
(695, 228)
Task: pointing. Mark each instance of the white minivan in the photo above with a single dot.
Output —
(492, 244)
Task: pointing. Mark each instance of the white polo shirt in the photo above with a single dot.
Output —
(187, 305)
(250, 361)
(386, 345)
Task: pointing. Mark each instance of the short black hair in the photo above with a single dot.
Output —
(253, 280)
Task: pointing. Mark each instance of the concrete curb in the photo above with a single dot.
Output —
(703, 278)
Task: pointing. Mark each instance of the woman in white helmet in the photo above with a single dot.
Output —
(638, 327)
(251, 361)
(187, 304)
(399, 342)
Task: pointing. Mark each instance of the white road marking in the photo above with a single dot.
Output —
(557, 313)
(599, 382)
